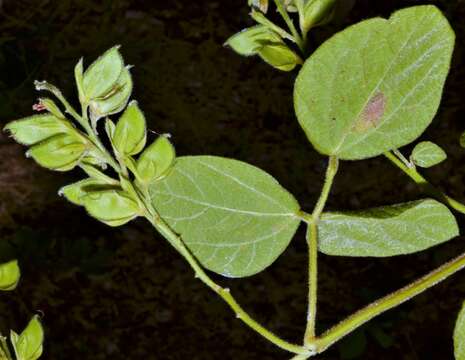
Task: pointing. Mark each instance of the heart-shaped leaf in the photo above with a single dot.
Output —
(234, 217)
(387, 231)
(427, 154)
(375, 86)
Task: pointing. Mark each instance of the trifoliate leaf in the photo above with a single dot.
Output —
(375, 86)
(427, 154)
(28, 344)
(234, 217)
(9, 275)
(156, 160)
(102, 74)
(131, 132)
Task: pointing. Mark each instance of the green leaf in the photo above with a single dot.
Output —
(51, 107)
(36, 128)
(249, 41)
(427, 154)
(317, 12)
(375, 86)
(118, 98)
(112, 207)
(156, 160)
(79, 78)
(387, 231)
(75, 192)
(28, 345)
(9, 275)
(130, 133)
(280, 57)
(234, 217)
(459, 335)
(102, 74)
(60, 152)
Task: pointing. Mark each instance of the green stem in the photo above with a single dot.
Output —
(312, 241)
(225, 294)
(290, 25)
(4, 350)
(378, 307)
(427, 186)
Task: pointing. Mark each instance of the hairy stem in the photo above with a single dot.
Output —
(378, 307)
(290, 25)
(225, 294)
(424, 184)
(312, 241)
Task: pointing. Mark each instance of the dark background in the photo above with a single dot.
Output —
(123, 293)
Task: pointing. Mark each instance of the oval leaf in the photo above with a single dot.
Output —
(102, 74)
(118, 98)
(375, 86)
(249, 41)
(234, 217)
(76, 191)
(130, 133)
(60, 153)
(279, 56)
(9, 275)
(459, 335)
(387, 231)
(28, 345)
(112, 207)
(427, 154)
(156, 160)
(36, 128)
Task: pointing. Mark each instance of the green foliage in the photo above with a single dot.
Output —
(387, 231)
(130, 134)
(317, 12)
(9, 275)
(427, 154)
(155, 162)
(235, 218)
(459, 335)
(28, 344)
(375, 86)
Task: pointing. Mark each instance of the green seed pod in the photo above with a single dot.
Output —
(101, 76)
(156, 160)
(117, 98)
(36, 128)
(130, 133)
(9, 275)
(61, 152)
(112, 207)
(28, 345)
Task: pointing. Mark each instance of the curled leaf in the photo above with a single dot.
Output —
(9, 275)
(130, 133)
(76, 191)
(156, 160)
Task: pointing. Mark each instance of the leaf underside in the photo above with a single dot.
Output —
(377, 85)
(235, 218)
(387, 231)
